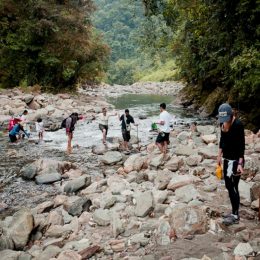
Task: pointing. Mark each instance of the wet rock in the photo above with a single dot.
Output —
(144, 204)
(178, 181)
(77, 184)
(134, 162)
(243, 249)
(48, 178)
(69, 255)
(21, 227)
(29, 171)
(188, 221)
(102, 217)
(111, 157)
(186, 193)
(174, 164)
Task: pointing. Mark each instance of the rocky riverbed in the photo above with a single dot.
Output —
(99, 203)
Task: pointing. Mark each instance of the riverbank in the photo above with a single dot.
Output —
(98, 202)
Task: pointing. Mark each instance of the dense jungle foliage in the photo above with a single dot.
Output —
(216, 46)
(49, 42)
(139, 45)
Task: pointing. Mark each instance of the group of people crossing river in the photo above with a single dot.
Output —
(231, 144)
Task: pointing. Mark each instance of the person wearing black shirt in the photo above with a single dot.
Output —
(126, 119)
(231, 150)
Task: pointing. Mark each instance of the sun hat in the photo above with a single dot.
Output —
(224, 113)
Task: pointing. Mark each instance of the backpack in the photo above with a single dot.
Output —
(63, 123)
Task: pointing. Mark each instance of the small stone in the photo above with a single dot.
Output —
(144, 204)
(77, 184)
(243, 249)
(102, 217)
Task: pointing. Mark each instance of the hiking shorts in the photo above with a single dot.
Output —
(126, 135)
(13, 138)
(162, 137)
(102, 127)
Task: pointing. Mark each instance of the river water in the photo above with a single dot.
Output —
(88, 134)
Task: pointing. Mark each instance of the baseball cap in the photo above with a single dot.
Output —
(224, 113)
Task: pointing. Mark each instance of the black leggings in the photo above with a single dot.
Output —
(232, 186)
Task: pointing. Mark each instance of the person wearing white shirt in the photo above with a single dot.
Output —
(39, 128)
(162, 139)
(103, 123)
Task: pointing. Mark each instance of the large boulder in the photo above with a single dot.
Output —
(111, 157)
(206, 129)
(188, 221)
(174, 164)
(209, 138)
(185, 150)
(144, 204)
(186, 193)
(77, 184)
(209, 152)
(184, 135)
(134, 162)
(178, 181)
(21, 227)
(156, 160)
(102, 217)
(193, 160)
(48, 178)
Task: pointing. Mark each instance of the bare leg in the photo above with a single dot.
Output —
(160, 146)
(69, 148)
(104, 136)
(165, 146)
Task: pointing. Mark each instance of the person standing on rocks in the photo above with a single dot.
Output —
(39, 129)
(103, 123)
(126, 119)
(24, 120)
(231, 150)
(162, 139)
(70, 127)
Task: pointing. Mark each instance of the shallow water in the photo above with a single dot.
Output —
(88, 134)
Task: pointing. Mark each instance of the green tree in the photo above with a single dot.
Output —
(49, 42)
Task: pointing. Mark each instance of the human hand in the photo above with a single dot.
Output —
(240, 169)
(219, 160)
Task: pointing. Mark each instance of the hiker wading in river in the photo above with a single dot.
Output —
(231, 151)
(126, 119)
(103, 123)
(70, 127)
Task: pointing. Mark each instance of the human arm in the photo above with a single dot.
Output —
(241, 148)
(220, 152)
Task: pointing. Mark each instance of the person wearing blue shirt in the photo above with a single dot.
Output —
(15, 131)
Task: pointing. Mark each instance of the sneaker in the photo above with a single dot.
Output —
(228, 215)
(231, 220)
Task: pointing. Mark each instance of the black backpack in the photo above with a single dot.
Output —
(63, 123)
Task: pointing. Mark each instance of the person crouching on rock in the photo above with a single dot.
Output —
(15, 132)
(126, 119)
(70, 127)
(231, 149)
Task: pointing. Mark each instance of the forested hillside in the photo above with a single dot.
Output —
(49, 42)
(139, 44)
(216, 45)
